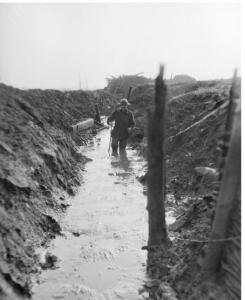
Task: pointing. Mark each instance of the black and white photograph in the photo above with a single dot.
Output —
(120, 150)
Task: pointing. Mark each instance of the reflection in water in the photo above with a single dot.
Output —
(120, 163)
(104, 260)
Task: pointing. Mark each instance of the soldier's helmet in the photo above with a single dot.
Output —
(124, 102)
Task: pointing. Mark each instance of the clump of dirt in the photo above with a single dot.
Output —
(40, 167)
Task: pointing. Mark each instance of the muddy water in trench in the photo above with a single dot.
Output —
(106, 260)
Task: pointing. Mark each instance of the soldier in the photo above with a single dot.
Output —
(124, 121)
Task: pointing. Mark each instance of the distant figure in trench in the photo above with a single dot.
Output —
(124, 124)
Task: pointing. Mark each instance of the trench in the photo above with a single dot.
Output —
(103, 260)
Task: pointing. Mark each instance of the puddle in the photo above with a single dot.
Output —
(100, 256)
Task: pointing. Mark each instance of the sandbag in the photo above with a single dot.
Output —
(83, 125)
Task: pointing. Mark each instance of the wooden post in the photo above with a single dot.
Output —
(226, 198)
(156, 166)
(228, 124)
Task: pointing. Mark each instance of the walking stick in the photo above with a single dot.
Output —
(110, 141)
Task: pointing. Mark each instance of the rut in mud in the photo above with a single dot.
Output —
(99, 255)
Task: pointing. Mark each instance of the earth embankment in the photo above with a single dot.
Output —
(40, 167)
(187, 104)
(40, 164)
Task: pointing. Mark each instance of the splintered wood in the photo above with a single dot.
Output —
(156, 166)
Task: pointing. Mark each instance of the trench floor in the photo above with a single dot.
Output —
(108, 215)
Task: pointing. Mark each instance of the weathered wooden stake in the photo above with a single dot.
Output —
(227, 196)
(156, 166)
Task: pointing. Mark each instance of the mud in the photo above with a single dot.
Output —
(103, 259)
(88, 246)
(186, 104)
(40, 167)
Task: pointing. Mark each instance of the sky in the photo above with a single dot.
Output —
(68, 46)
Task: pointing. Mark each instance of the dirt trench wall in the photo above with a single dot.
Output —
(187, 103)
(197, 147)
(39, 168)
